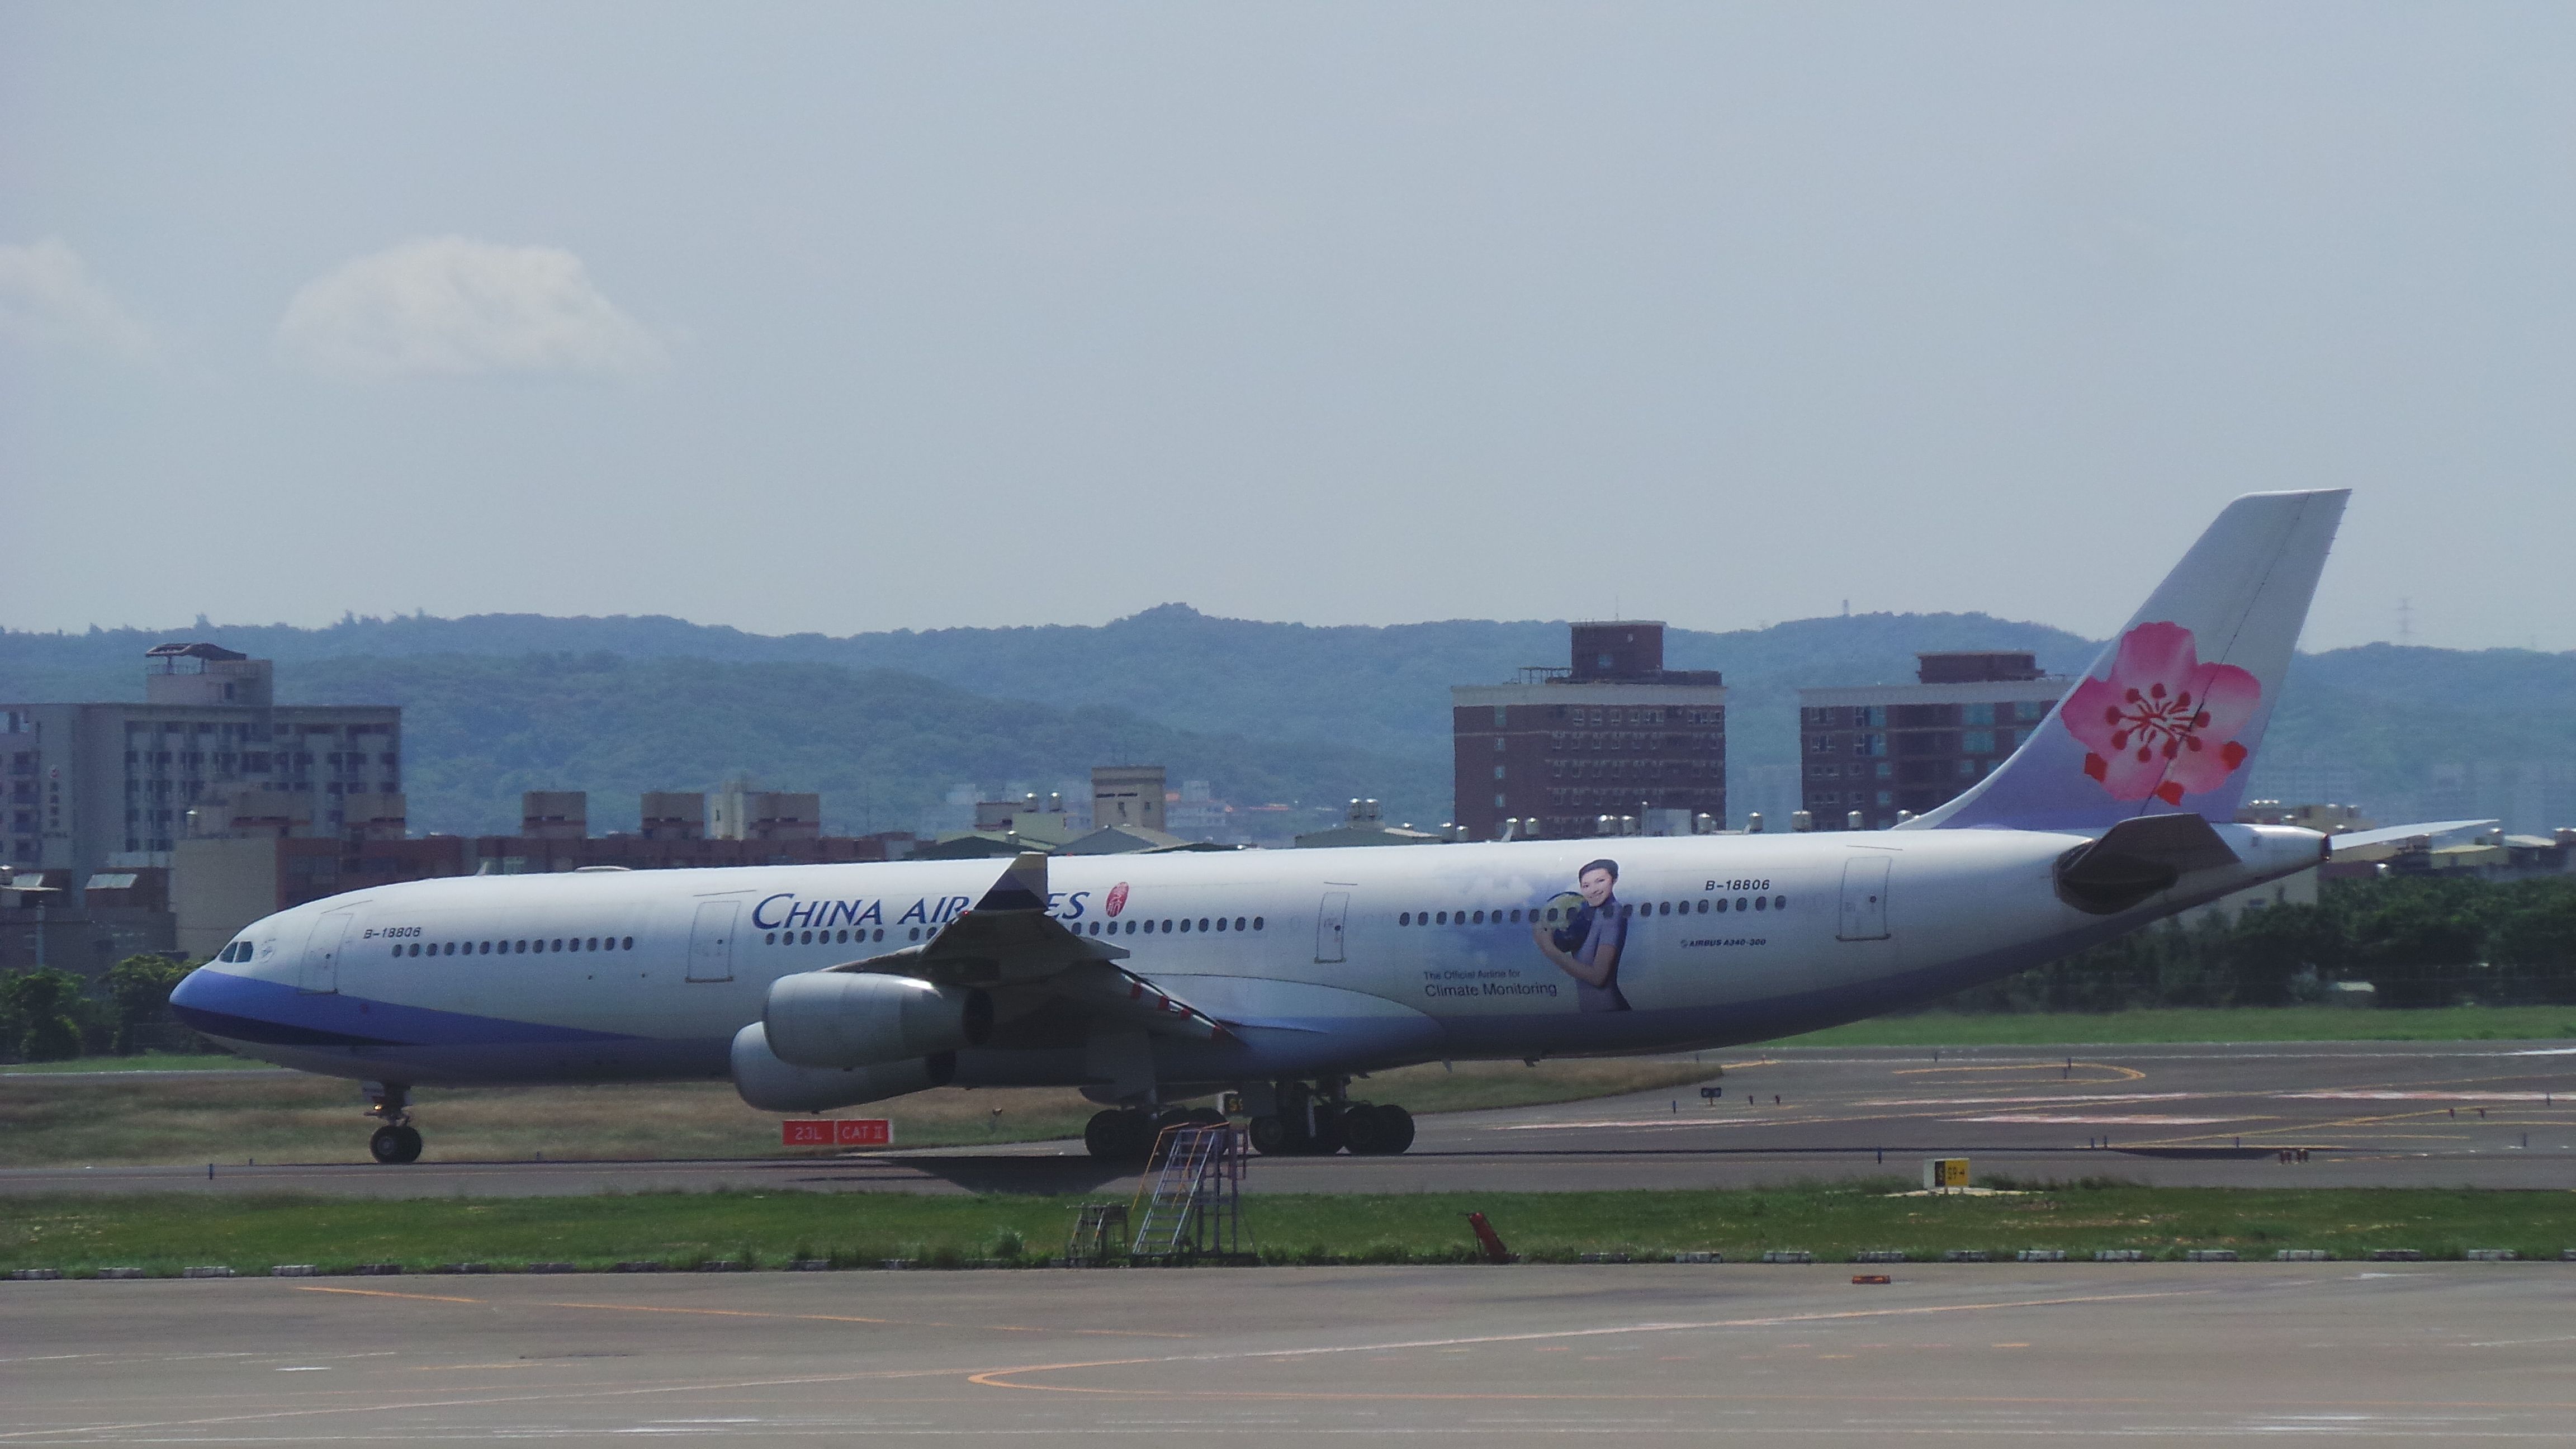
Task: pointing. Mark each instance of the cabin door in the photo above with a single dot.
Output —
(711, 941)
(1330, 921)
(322, 951)
(1865, 899)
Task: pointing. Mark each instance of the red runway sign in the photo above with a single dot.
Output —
(838, 1132)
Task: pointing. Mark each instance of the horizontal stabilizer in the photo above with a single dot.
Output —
(2354, 840)
(2138, 858)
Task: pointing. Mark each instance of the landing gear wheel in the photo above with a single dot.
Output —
(1119, 1136)
(395, 1144)
(1395, 1128)
(1270, 1137)
(1362, 1131)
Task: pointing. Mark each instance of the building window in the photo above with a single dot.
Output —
(1500, 719)
(2030, 710)
(1977, 714)
(1977, 742)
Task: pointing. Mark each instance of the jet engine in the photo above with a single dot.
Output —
(771, 1085)
(859, 1019)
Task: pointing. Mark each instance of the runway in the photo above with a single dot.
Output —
(2176, 1354)
(2369, 1114)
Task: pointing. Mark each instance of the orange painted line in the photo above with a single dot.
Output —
(749, 1313)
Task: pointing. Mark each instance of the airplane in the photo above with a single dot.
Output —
(1285, 976)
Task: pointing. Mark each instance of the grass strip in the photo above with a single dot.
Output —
(2201, 1024)
(164, 1232)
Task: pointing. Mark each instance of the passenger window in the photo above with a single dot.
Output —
(1202, 923)
(1779, 903)
(770, 940)
(1444, 918)
(1220, 923)
(1256, 923)
(1761, 903)
(1406, 919)
(1185, 926)
(1238, 923)
(916, 933)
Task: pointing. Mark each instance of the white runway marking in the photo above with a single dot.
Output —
(2037, 1101)
(1643, 1122)
(2138, 1120)
(2368, 1096)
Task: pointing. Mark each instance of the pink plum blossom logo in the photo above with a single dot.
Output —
(2164, 724)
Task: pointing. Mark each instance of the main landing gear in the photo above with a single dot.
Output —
(1303, 1121)
(1307, 1122)
(396, 1140)
(1128, 1134)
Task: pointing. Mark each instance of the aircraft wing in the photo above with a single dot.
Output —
(1007, 942)
(2355, 840)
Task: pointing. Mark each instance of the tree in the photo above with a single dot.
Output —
(2535, 936)
(40, 1010)
(2271, 946)
(138, 992)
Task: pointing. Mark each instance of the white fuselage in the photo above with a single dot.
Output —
(616, 975)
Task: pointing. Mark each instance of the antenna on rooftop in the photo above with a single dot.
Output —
(2405, 621)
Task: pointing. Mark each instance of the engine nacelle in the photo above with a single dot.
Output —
(859, 1019)
(771, 1085)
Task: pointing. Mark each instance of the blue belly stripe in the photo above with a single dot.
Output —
(243, 1009)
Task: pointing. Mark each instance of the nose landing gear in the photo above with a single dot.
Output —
(396, 1140)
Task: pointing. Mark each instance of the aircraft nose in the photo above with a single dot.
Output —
(192, 990)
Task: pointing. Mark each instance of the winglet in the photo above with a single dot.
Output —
(1022, 888)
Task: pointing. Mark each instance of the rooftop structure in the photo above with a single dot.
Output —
(94, 787)
(1874, 754)
(1612, 733)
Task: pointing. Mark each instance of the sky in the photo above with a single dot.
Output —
(857, 317)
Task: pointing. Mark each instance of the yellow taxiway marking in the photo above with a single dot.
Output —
(753, 1313)
(2119, 1074)
(382, 1293)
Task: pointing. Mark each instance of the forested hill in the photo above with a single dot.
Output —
(884, 723)
(1378, 688)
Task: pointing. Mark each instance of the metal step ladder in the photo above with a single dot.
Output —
(1189, 1209)
(1099, 1235)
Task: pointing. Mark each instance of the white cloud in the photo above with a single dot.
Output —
(48, 296)
(454, 305)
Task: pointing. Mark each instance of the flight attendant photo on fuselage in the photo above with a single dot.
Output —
(1587, 942)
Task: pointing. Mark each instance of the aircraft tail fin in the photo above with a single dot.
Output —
(2169, 717)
